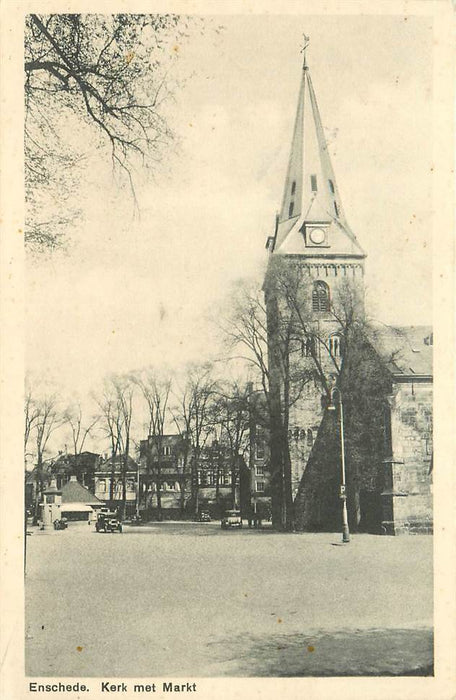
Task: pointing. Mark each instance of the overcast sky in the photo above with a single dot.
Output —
(134, 292)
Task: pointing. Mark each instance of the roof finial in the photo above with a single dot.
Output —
(303, 50)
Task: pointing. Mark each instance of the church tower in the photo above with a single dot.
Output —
(313, 257)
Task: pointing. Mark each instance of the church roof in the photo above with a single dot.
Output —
(74, 492)
(406, 350)
(311, 196)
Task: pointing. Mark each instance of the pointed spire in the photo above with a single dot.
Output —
(311, 195)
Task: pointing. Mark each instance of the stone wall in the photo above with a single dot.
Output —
(408, 498)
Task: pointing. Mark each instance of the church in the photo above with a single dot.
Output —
(350, 399)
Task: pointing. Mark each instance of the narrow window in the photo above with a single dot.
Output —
(308, 346)
(335, 345)
(290, 210)
(259, 449)
(293, 187)
(310, 438)
(320, 296)
(313, 183)
(336, 208)
(331, 186)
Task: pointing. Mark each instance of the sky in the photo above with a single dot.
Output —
(143, 290)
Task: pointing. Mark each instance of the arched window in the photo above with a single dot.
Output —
(320, 296)
(310, 438)
(308, 346)
(336, 345)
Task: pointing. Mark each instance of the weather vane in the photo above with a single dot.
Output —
(303, 50)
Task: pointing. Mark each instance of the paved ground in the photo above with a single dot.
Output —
(193, 600)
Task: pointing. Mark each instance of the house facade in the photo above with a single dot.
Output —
(110, 476)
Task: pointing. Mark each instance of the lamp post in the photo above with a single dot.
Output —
(336, 400)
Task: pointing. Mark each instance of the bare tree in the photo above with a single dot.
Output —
(109, 72)
(156, 393)
(79, 432)
(111, 418)
(231, 412)
(31, 413)
(200, 392)
(49, 419)
(288, 350)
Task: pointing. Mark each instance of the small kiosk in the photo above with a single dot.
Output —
(51, 505)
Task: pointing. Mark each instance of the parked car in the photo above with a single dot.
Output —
(232, 518)
(108, 522)
(61, 524)
(204, 517)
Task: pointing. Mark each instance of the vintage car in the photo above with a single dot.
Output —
(108, 522)
(203, 517)
(232, 518)
(61, 524)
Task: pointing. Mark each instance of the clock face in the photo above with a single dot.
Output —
(317, 236)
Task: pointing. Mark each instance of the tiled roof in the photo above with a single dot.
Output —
(74, 492)
(406, 350)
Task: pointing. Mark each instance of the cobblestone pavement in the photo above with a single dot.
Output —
(191, 600)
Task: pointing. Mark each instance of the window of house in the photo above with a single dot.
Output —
(102, 485)
(50, 498)
(293, 187)
(320, 296)
(227, 479)
(290, 210)
(331, 186)
(313, 183)
(130, 485)
(177, 486)
(166, 450)
(335, 345)
(259, 486)
(259, 449)
(259, 469)
(336, 208)
(310, 438)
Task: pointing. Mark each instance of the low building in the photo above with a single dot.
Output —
(79, 505)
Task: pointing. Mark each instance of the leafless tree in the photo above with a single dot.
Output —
(49, 419)
(193, 416)
(156, 391)
(109, 72)
(31, 413)
(111, 425)
(79, 432)
(231, 413)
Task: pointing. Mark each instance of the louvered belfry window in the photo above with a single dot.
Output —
(320, 296)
